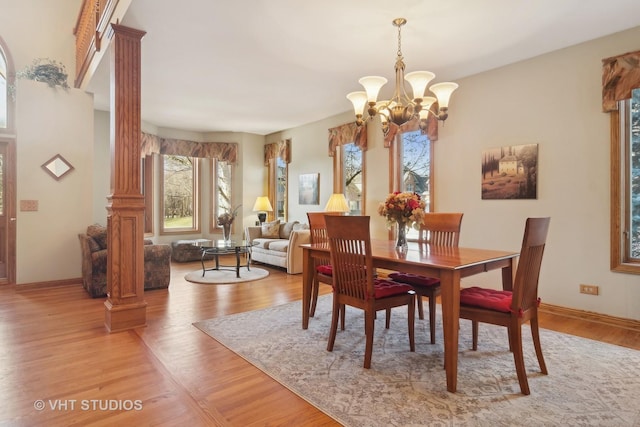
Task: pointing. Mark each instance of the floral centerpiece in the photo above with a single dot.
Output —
(405, 209)
(225, 220)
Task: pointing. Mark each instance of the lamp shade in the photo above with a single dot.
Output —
(337, 203)
(372, 85)
(443, 91)
(419, 81)
(262, 205)
(359, 100)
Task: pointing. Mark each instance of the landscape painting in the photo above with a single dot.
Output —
(510, 172)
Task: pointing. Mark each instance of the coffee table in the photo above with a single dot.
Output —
(215, 248)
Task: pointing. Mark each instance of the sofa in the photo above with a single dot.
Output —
(93, 246)
(278, 244)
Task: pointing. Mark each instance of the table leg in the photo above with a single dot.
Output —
(237, 263)
(507, 276)
(204, 252)
(450, 294)
(307, 280)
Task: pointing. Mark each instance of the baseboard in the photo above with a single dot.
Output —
(49, 284)
(590, 316)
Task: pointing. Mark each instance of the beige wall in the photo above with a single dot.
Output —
(49, 122)
(555, 101)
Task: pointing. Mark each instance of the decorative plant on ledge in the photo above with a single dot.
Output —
(46, 70)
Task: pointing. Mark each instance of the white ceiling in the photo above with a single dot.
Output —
(261, 66)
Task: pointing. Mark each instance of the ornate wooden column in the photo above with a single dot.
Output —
(125, 307)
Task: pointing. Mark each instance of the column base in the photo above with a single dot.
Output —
(123, 317)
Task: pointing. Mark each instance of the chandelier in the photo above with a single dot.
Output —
(400, 108)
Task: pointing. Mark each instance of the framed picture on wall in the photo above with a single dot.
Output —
(510, 172)
(308, 191)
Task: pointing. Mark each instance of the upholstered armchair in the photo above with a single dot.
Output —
(93, 245)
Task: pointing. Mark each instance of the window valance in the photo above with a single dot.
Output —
(410, 126)
(620, 74)
(280, 149)
(223, 151)
(346, 134)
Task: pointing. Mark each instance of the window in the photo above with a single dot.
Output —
(353, 182)
(221, 184)
(413, 168)
(416, 164)
(281, 189)
(3, 91)
(277, 156)
(180, 194)
(146, 169)
(625, 242)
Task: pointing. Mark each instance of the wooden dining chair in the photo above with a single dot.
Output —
(512, 308)
(355, 284)
(437, 228)
(322, 269)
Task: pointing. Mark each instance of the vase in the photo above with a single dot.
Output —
(226, 232)
(401, 243)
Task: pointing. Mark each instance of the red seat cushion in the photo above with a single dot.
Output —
(414, 279)
(490, 299)
(386, 288)
(326, 269)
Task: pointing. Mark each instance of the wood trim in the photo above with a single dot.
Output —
(49, 284)
(590, 316)
(617, 252)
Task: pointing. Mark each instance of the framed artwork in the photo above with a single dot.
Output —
(308, 191)
(510, 172)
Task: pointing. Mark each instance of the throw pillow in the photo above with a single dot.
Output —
(299, 226)
(286, 228)
(271, 230)
(99, 233)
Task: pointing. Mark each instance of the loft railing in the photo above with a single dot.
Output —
(91, 28)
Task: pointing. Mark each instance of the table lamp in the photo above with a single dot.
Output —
(262, 206)
(337, 203)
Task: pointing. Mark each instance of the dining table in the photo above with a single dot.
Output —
(449, 264)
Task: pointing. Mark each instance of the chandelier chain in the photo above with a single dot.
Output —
(399, 40)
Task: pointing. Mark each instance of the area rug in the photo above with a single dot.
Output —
(221, 277)
(589, 383)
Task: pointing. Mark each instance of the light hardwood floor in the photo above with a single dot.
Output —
(54, 348)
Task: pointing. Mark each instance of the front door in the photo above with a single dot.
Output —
(7, 213)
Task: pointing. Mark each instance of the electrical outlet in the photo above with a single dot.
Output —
(589, 289)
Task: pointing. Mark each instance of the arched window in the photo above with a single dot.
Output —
(7, 168)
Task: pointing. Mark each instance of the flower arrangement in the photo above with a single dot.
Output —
(406, 208)
(226, 218)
